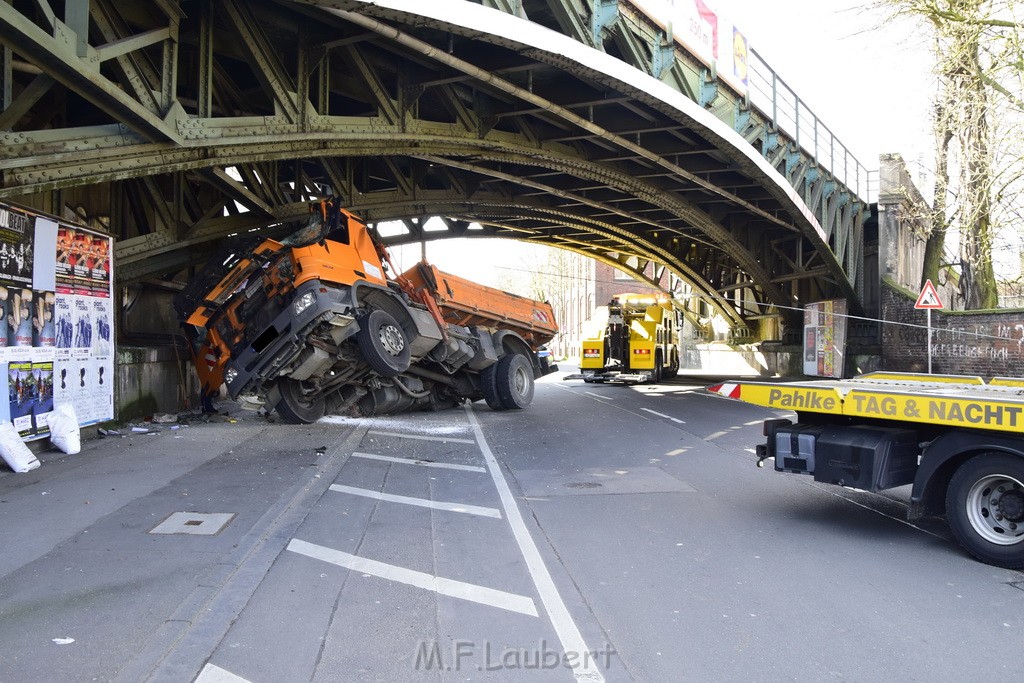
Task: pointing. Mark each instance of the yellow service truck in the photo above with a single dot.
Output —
(958, 440)
(638, 342)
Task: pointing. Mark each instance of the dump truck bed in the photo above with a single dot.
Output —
(463, 302)
(948, 400)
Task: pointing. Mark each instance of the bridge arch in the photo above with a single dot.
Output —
(404, 109)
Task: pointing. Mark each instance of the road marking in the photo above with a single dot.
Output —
(667, 417)
(449, 587)
(603, 398)
(421, 502)
(422, 437)
(421, 463)
(568, 632)
(215, 674)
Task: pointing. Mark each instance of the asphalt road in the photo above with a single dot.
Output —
(607, 532)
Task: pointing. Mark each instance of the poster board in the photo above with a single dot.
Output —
(56, 320)
(825, 338)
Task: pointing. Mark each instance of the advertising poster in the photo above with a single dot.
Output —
(20, 386)
(705, 33)
(65, 260)
(825, 338)
(56, 321)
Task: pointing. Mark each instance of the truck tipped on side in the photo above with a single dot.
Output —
(315, 323)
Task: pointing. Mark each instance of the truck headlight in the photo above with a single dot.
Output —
(230, 376)
(304, 302)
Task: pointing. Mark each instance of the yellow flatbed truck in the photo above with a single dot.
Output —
(958, 440)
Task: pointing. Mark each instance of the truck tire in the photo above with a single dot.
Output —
(985, 508)
(295, 407)
(489, 387)
(659, 371)
(513, 377)
(383, 344)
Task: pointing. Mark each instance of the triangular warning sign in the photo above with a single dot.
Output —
(929, 298)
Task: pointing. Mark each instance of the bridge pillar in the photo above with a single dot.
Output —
(903, 224)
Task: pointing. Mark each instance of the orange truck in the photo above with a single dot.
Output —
(316, 323)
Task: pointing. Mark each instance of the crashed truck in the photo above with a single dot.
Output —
(321, 322)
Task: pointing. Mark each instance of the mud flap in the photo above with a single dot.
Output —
(273, 398)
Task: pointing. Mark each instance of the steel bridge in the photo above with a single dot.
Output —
(581, 124)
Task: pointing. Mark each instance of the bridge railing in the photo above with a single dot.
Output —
(769, 93)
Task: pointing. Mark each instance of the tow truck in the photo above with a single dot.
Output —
(637, 343)
(958, 440)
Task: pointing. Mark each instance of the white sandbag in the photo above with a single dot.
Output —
(14, 450)
(64, 431)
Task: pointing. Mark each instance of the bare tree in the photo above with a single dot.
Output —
(980, 68)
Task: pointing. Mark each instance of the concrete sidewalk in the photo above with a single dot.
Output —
(87, 590)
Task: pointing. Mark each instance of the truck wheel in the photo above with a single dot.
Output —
(383, 344)
(985, 508)
(297, 407)
(659, 371)
(514, 380)
(489, 387)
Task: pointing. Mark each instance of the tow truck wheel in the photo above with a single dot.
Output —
(296, 406)
(383, 344)
(514, 380)
(985, 508)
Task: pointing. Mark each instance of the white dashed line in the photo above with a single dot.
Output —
(422, 437)
(667, 417)
(449, 587)
(215, 674)
(421, 463)
(420, 502)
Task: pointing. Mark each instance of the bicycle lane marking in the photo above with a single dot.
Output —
(568, 632)
(455, 589)
(437, 584)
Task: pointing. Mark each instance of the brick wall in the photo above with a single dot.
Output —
(611, 281)
(984, 343)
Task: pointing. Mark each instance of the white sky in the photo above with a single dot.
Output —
(866, 79)
(869, 80)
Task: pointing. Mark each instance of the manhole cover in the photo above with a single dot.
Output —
(582, 485)
(196, 523)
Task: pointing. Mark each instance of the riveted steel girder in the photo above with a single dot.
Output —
(56, 55)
